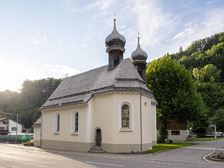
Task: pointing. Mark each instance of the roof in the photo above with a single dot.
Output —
(38, 121)
(80, 88)
(114, 35)
(7, 118)
(4, 118)
(139, 53)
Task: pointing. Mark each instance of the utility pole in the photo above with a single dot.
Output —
(17, 118)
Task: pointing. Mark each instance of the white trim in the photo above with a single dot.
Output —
(129, 103)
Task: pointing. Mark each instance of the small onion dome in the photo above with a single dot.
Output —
(139, 53)
(115, 38)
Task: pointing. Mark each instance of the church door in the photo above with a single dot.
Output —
(98, 137)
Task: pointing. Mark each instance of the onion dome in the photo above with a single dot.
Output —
(115, 38)
(139, 53)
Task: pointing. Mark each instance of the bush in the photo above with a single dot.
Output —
(163, 135)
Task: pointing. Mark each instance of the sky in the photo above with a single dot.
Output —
(59, 38)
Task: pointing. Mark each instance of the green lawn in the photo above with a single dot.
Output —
(165, 147)
(204, 139)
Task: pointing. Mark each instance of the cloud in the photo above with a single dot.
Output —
(153, 23)
(211, 23)
(74, 44)
(58, 41)
(19, 71)
(60, 70)
(34, 41)
(38, 39)
(45, 39)
(189, 30)
(102, 5)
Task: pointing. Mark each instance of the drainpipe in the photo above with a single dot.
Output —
(41, 129)
(140, 122)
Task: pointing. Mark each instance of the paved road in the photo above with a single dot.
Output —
(16, 156)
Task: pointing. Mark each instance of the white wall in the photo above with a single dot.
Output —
(103, 111)
(181, 137)
(10, 125)
(3, 125)
(107, 116)
(65, 133)
(153, 121)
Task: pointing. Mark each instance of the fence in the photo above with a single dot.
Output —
(15, 138)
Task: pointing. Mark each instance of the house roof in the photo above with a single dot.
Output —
(4, 118)
(38, 121)
(80, 88)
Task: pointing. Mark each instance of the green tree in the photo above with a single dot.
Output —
(174, 90)
(27, 103)
(208, 73)
(218, 119)
(33, 95)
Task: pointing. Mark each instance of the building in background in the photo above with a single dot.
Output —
(177, 130)
(8, 126)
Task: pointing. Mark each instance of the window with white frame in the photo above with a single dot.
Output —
(125, 116)
(75, 122)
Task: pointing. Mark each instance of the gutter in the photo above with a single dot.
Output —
(140, 122)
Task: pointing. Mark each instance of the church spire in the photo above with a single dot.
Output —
(115, 43)
(139, 57)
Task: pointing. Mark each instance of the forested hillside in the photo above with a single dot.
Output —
(27, 103)
(204, 58)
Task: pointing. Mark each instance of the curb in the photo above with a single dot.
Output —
(209, 161)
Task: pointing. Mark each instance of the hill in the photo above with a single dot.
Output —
(204, 58)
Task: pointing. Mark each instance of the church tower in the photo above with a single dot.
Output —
(139, 58)
(115, 43)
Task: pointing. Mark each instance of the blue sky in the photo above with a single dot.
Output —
(52, 38)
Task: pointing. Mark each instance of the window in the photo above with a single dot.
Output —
(2, 128)
(57, 123)
(14, 128)
(125, 116)
(76, 128)
(75, 122)
(175, 132)
(5, 122)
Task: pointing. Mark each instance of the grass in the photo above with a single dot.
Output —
(204, 139)
(166, 147)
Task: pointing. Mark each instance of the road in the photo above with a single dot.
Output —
(17, 156)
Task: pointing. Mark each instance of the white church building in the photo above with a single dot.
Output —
(106, 109)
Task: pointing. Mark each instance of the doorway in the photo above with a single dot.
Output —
(98, 137)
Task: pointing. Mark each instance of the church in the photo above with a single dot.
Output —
(107, 109)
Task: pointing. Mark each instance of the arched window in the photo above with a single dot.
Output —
(76, 122)
(125, 116)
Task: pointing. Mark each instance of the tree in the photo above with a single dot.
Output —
(27, 103)
(208, 73)
(218, 119)
(174, 90)
(33, 95)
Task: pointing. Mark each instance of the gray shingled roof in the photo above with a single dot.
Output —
(139, 53)
(4, 118)
(81, 87)
(38, 122)
(114, 35)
